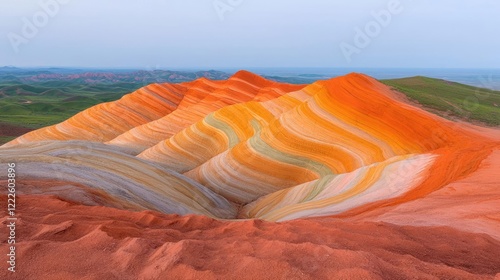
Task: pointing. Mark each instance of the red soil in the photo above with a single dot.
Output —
(12, 130)
(71, 241)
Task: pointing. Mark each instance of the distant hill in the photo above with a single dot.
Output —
(105, 76)
(451, 99)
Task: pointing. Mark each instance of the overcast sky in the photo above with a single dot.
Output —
(250, 33)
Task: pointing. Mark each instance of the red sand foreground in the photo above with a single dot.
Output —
(67, 241)
(345, 180)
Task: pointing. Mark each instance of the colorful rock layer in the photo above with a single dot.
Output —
(342, 147)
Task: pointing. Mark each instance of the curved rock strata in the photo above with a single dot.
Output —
(112, 178)
(343, 147)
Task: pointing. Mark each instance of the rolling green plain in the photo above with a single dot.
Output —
(41, 104)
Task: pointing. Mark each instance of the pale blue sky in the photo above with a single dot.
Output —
(253, 33)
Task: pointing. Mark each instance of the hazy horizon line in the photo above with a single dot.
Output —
(241, 68)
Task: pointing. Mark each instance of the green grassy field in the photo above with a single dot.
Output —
(450, 99)
(41, 104)
(37, 105)
(5, 139)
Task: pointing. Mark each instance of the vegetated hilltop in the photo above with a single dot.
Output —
(451, 99)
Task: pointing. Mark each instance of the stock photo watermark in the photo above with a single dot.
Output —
(364, 36)
(11, 219)
(31, 26)
(471, 103)
(222, 7)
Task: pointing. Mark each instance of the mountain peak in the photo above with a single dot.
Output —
(251, 78)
